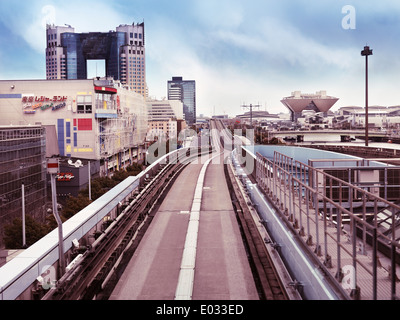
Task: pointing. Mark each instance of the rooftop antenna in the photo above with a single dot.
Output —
(251, 111)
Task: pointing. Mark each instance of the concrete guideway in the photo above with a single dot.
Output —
(222, 270)
(153, 272)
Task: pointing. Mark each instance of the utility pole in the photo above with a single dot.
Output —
(53, 170)
(23, 216)
(90, 180)
(366, 52)
(251, 111)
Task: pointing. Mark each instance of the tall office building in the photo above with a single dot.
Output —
(184, 91)
(123, 50)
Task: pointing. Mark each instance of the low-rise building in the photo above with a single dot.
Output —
(380, 117)
(94, 119)
(166, 119)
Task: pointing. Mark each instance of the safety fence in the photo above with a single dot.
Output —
(349, 227)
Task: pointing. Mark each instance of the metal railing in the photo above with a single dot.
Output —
(347, 238)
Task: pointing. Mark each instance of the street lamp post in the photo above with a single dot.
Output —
(366, 52)
(53, 169)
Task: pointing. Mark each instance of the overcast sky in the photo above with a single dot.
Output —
(239, 52)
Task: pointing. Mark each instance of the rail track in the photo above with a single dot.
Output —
(99, 268)
(267, 278)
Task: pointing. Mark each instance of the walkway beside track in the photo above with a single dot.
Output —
(222, 270)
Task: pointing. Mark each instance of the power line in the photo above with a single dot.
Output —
(251, 111)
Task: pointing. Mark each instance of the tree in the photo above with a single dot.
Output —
(13, 232)
(74, 205)
(99, 186)
(120, 176)
(36, 230)
(134, 169)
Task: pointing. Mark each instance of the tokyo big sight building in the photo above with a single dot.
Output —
(123, 50)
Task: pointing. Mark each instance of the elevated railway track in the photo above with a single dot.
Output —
(96, 270)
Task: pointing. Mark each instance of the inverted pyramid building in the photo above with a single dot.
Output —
(297, 102)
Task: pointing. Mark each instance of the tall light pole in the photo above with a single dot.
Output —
(366, 52)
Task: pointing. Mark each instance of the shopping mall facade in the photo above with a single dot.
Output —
(93, 119)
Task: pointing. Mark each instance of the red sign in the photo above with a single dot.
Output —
(52, 165)
(65, 176)
(106, 89)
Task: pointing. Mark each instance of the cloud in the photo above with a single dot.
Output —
(221, 14)
(287, 47)
(29, 22)
(238, 52)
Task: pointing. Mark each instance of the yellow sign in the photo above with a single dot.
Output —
(85, 150)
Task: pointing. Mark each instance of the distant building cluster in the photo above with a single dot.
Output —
(313, 111)
(378, 117)
(165, 119)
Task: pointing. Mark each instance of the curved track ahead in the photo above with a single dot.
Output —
(148, 268)
(221, 268)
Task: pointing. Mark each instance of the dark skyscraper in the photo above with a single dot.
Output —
(185, 91)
